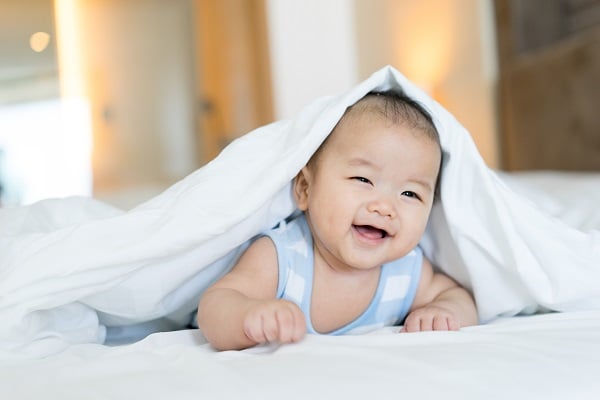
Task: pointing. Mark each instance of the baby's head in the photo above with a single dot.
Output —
(368, 190)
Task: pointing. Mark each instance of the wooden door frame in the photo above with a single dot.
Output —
(234, 74)
(549, 69)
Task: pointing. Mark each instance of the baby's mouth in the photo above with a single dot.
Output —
(370, 232)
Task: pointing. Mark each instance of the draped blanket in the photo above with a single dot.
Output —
(73, 269)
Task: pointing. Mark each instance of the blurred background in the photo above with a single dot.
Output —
(119, 99)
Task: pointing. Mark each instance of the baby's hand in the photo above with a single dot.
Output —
(275, 321)
(431, 318)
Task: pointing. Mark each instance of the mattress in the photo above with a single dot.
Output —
(551, 356)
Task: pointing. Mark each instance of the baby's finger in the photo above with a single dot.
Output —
(412, 324)
(293, 324)
(270, 328)
(299, 324)
(285, 322)
(254, 331)
(300, 330)
(426, 323)
(440, 323)
(453, 324)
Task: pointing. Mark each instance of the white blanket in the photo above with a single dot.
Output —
(70, 268)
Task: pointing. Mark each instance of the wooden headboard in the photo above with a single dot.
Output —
(549, 56)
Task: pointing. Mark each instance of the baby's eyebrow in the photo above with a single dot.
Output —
(361, 161)
(422, 182)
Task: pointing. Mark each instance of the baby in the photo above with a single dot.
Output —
(350, 261)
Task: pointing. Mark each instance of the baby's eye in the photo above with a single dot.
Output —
(409, 193)
(362, 179)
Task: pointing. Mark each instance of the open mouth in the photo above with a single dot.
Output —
(371, 232)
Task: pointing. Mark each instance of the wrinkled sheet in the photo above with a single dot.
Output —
(72, 270)
(541, 357)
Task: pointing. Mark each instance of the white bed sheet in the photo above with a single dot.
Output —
(550, 356)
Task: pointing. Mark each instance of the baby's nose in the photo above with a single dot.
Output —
(382, 206)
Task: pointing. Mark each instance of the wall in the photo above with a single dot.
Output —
(133, 62)
(312, 51)
(137, 58)
(445, 46)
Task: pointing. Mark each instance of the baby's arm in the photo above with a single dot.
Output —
(240, 310)
(440, 304)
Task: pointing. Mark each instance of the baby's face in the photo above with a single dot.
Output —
(371, 192)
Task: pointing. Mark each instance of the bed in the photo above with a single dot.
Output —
(553, 356)
(97, 302)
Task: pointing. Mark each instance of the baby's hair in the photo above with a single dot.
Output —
(397, 108)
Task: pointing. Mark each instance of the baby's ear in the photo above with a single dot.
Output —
(300, 187)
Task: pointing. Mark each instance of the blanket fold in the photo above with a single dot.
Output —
(70, 268)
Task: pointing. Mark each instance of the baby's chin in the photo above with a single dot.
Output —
(364, 260)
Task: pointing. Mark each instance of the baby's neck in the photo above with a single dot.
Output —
(339, 296)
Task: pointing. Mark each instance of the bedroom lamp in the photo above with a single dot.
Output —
(39, 41)
(424, 50)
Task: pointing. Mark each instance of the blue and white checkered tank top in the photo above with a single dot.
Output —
(395, 292)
